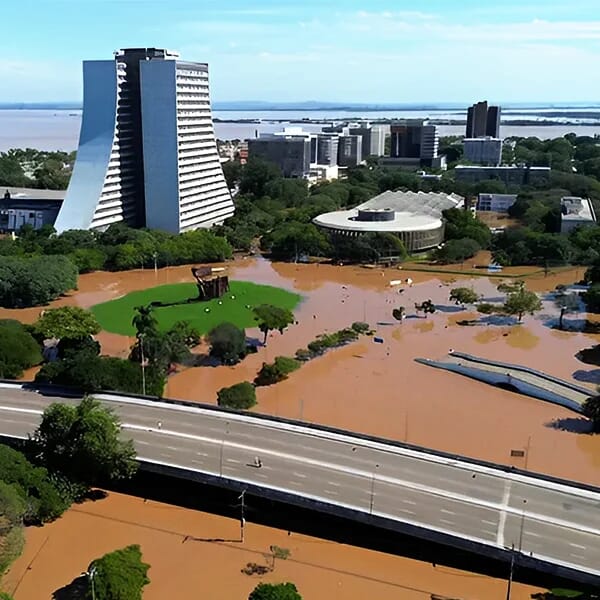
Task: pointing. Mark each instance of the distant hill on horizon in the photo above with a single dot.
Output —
(315, 105)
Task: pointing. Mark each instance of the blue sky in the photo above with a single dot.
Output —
(330, 50)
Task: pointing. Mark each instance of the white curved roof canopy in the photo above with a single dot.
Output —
(414, 211)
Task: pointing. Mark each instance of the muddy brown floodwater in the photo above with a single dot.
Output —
(369, 387)
(186, 569)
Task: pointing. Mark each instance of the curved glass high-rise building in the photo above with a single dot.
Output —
(147, 153)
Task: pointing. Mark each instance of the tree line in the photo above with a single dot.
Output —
(40, 265)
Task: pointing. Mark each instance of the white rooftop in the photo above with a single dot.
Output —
(574, 208)
(413, 211)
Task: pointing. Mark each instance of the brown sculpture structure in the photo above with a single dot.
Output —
(210, 285)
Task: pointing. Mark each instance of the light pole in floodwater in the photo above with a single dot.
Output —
(373, 489)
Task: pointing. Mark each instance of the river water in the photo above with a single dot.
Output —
(369, 387)
(59, 129)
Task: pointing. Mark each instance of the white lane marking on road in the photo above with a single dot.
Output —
(142, 443)
(447, 512)
(171, 448)
(334, 484)
(234, 461)
(503, 512)
(29, 411)
(494, 523)
(408, 512)
(447, 522)
(301, 475)
(489, 533)
(578, 546)
(202, 453)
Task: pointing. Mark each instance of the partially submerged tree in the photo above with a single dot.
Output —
(566, 302)
(399, 313)
(591, 409)
(271, 317)
(519, 300)
(275, 591)
(227, 343)
(118, 575)
(239, 396)
(464, 295)
(427, 307)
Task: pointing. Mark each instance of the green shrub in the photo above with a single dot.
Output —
(361, 327)
(239, 396)
(18, 349)
(271, 373)
(302, 354)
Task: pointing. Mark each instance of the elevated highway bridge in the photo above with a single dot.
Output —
(542, 523)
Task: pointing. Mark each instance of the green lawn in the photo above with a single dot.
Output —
(236, 306)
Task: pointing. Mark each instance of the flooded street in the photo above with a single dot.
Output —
(57, 553)
(374, 388)
(378, 388)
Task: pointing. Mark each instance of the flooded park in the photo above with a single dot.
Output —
(373, 386)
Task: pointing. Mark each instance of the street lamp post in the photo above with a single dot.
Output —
(154, 256)
(373, 489)
(143, 363)
(90, 575)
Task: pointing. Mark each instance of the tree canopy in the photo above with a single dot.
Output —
(34, 281)
(275, 591)
(591, 409)
(83, 443)
(519, 300)
(271, 318)
(119, 575)
(240, 396)
(66, 322)
(464, 295)
(227, 343)
(18, 349)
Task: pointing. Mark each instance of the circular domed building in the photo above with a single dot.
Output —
(415, 217)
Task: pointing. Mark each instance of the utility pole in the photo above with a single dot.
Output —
(242, 499)
(510, 575)
(372, 489)
(143, 364)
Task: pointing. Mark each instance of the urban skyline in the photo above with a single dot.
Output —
(280, 52)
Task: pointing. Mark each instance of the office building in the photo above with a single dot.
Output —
(291, 153)
(327, 149)
(576, 212)
(147, 154)
(373, 139)
(508, 174)
(350, 150)
(413, 143)
(495, 202)
(483, 151)
(373, 136)
(483, 121)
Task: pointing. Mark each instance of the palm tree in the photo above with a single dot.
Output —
(144, 321)
(591, 409)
